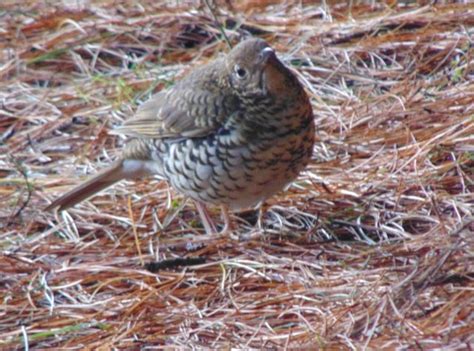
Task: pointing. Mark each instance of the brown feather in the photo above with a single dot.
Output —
(196, 106)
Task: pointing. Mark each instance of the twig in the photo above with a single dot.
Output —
(29, 187)
(134, 228)
(174, 263)
(218, 24)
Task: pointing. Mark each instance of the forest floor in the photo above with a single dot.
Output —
(372, 247)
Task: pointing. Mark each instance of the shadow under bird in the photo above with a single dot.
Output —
(231, 133)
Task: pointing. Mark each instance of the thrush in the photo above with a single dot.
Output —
(232, 133)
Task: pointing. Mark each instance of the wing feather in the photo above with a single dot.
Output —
(196, 106)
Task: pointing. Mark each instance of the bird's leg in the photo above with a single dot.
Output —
(228, 225)
(206, 219)
(261, 212)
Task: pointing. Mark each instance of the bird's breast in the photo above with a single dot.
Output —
(230, 168)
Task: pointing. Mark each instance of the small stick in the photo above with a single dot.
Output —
(218, 24)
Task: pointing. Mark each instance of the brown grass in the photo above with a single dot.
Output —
(372, 247)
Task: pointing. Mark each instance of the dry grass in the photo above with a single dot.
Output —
(372, 247)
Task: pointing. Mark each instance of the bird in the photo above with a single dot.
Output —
(231, 133)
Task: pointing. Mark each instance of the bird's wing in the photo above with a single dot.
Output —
(194, 107)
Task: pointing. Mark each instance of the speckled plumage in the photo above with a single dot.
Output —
(233, 132)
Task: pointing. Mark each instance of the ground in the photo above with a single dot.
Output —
(371, 247)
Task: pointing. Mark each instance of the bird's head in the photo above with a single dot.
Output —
(254, 70)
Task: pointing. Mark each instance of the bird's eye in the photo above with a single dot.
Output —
(240, 72)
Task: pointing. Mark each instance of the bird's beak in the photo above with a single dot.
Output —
(273, 76)
(268, 54)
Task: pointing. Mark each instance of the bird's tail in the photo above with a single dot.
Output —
(122, 169)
